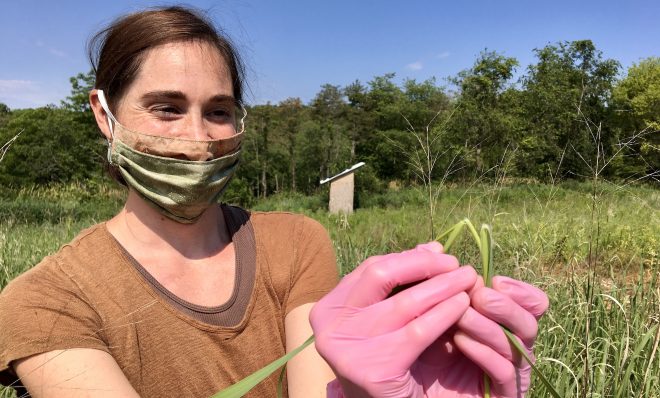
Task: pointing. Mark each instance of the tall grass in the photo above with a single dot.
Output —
(541, 233)
(605, 303)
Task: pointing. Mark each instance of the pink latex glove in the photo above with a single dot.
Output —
(477, 343)
(373, 342)
(425, 341)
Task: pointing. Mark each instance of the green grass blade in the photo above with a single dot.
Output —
(484, 239)
(485, 254)
(449, 231)
(242, 387)
(473, 231)
(453, 232)
(641, 344)
(486, 386)
(514, 341)
(280, 383)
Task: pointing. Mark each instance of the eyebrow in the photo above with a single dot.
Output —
(178, 95)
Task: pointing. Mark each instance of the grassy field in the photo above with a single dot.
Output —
(592, 248)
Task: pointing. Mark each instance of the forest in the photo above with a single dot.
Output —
(557, 118)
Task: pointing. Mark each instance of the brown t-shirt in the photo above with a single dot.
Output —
(89, 295)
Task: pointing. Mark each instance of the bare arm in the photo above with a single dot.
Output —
(76, 373)
(85, 372)
(307, 373)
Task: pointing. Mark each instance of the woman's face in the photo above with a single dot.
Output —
(182, 90)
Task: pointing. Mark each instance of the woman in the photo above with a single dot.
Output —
(179, 296)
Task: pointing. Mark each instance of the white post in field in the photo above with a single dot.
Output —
(342, 188)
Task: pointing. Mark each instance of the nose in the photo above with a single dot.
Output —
(198, 128)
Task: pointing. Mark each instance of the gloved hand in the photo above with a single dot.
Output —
(477, 343)
(373, 342)
(424, 341)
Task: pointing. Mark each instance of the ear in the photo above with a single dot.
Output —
(99, 114)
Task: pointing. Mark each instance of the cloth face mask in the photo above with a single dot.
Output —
(181, 178)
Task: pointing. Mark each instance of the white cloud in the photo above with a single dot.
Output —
(12, 86)
(51, 50)
(57, 53)
(26, 94)
(415, 66)
(443, 54)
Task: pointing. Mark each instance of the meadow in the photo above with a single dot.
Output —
(594, 248)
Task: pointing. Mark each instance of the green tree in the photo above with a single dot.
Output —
(5, 114)
(566, 99)
(384, 127)
(637, 104)
(383, 101)
(256, 157)
(332, 147)
(53, 147)
(290, 114)
(81, 85)
(485, 124)
(423, 102)
(359, 121)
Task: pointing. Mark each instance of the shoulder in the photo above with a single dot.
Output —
(61, 265)
(298, 253)
(89, 246)
(286, 226)
(49, 306)
(74, 274)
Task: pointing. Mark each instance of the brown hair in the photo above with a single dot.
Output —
(117, 52)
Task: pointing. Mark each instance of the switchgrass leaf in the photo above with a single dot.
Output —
(242, 387)
(514, 341)
(473, 231)
(280, 383)
(486, 253)
(453, 232)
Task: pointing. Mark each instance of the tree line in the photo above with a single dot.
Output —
(571, 114)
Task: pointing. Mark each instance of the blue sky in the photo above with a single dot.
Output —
(293, 47)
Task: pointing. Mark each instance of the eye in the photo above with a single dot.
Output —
(222, 114)
(166, 111)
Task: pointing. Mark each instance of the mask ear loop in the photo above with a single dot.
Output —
(111, 120)
(242, 122)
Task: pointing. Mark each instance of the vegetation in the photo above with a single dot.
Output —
(481, 120)
(604, 307)
(562, 163)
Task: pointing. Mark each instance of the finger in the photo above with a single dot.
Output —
(489, 333)
(478, 284)
(500, 371)
(379, 278)
(398, 310)
(422, 331)
(531, 298)
(366, 263)
(503, 310)
(346, 283)
(432, 246)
